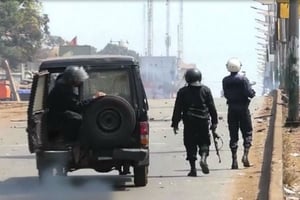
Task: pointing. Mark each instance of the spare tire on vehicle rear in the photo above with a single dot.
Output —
(108, 122)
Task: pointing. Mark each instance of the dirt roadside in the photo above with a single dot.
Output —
(11, 112)
(246, 183)
(286, 169)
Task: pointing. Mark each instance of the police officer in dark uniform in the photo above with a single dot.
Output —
(238, 93)
(195, 106)
(64, 105)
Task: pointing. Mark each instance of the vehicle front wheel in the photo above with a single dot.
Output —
(140, 176)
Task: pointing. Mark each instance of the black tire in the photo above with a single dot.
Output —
(48, 168)
(50, 173)
(108, 122)
(45, 174)
(30, 143)
(60, 171)
(140, 176)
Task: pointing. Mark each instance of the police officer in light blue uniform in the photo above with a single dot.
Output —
(238, 93)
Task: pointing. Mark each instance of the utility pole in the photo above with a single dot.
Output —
(283, 39)
(293, 65)
(180, 32)
(150, 28)
(271, 56)
(283, 53)
(145, 29)
(277, 46)
(168, 38)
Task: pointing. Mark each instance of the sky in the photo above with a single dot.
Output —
(213, 30)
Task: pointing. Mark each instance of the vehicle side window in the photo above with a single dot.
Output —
(38, 103)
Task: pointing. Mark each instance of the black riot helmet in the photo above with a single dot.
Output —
(75, 74)
(193, 76)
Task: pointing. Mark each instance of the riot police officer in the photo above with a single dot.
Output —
(238, 93)
(194, 105)
(64, 105)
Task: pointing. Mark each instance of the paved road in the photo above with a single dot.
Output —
(167, 173)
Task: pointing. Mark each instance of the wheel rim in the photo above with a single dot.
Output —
(108, 120)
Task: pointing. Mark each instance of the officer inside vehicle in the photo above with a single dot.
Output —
(238, 93)
(64, 105)
(194, 105)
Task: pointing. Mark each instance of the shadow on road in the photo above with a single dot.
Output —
(63, 188)
(210, 169)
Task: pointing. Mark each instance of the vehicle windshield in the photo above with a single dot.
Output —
(110, 82)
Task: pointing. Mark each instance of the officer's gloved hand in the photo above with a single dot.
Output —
(99, 94)
(175, 130)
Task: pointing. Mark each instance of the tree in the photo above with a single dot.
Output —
(22, 29)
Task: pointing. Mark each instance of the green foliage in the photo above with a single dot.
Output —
(22, 29)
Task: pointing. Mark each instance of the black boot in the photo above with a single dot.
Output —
(245, 160)
(193, 171)
(203, 163)
(234, 164)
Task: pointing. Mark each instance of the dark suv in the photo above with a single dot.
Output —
(115, 130)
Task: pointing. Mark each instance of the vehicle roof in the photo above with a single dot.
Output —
(61, 62)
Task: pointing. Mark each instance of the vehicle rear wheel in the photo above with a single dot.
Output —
(44, 174)
(140, 175)
(50, 166)
(108, 122)
(49, 173)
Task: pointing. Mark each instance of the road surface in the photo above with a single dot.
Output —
(167, 172)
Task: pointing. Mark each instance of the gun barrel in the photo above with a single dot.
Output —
(215, 138)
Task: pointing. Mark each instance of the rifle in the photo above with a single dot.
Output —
(216, 137)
